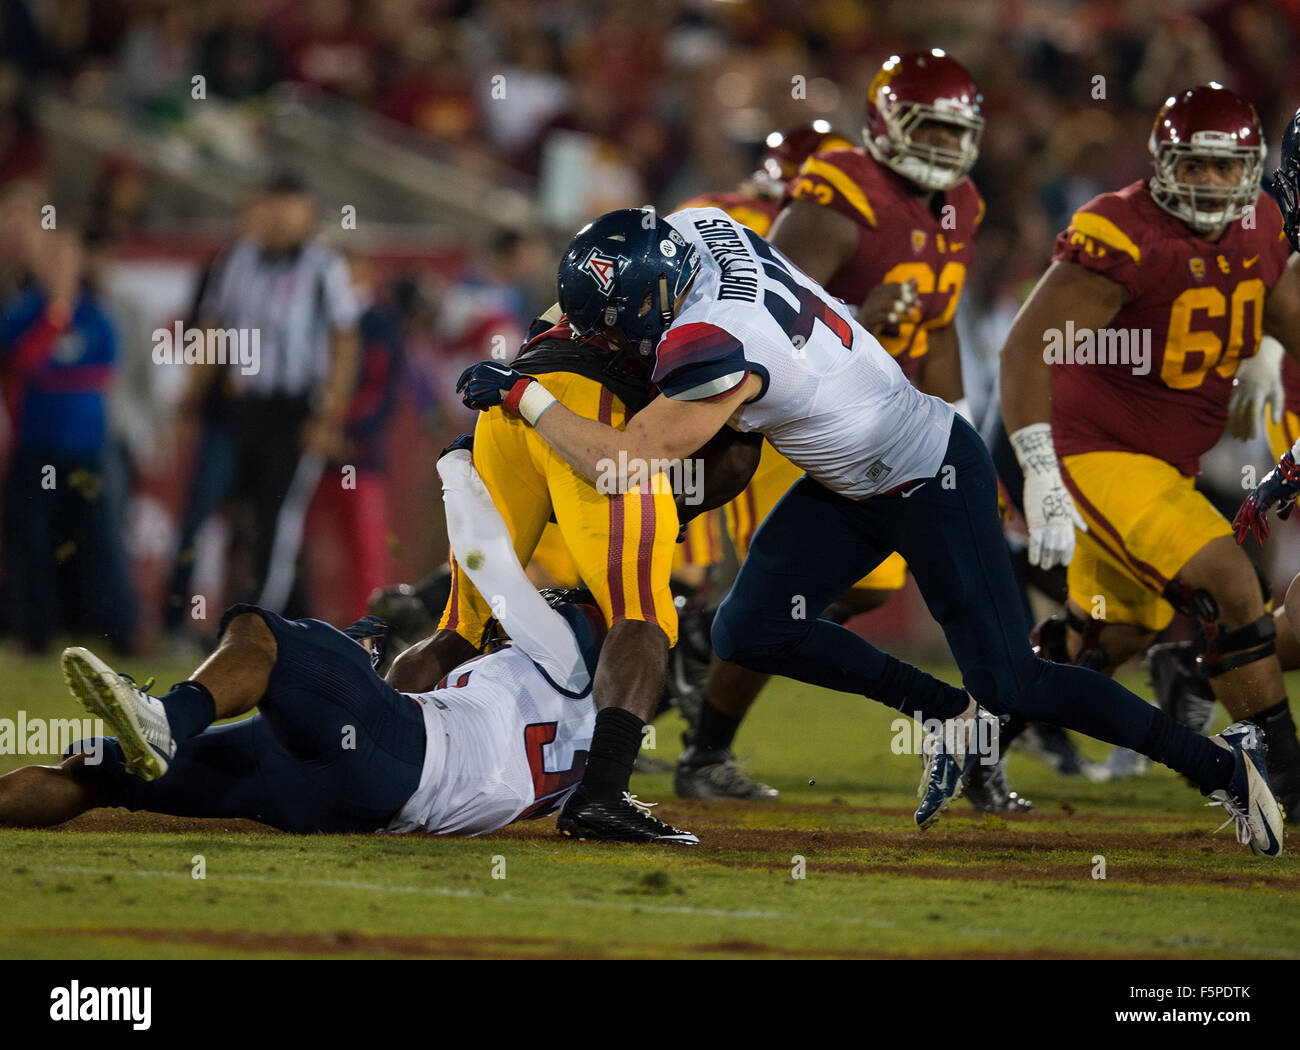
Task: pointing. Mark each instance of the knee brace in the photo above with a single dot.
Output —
(1222, 648)
(1226, 649)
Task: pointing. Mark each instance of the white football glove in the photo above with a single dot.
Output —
(907, 298)
(1258, 385)
(1050, 513)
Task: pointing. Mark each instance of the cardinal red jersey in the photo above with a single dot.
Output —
(757, 213)
(1198, 305)
(1291, 383)
(901, 236)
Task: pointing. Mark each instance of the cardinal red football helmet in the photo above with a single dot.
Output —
(914, 89)
(1212, 122)
(787, 150)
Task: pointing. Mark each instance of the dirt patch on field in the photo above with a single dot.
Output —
(712, 817)
(1028, 844)
(1032, 869)
(440, 946)
(122, 820)
(1007, 843)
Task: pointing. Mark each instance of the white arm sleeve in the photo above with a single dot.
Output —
(485, 551)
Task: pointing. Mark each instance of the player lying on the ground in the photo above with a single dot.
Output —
(333, 747)
(753, 343)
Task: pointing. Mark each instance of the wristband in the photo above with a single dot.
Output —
(534, 402)
(1034, 449)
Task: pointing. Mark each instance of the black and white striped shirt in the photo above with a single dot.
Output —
(294, 302)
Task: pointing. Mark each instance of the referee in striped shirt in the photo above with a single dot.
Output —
(266, 434)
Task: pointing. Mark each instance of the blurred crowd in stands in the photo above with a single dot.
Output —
(593, 104)
(676, 94)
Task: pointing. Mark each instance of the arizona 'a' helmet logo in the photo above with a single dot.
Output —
(601, 267)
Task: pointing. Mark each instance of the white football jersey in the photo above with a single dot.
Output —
(833, 401)
(506, 734)
(503, 744)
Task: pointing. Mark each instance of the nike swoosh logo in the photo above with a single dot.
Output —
(910, 491)
(1248, 263)
(498, 369)
(1273, 848)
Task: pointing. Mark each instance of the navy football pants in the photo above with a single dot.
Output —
(815, 544)
(334, 748)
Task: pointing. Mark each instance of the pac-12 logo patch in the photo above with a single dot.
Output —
(601, 267)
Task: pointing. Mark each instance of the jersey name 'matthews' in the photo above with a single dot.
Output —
(739, 278)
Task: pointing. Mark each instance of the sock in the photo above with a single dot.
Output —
(614, 746)
(910, 690)
(1196, 757)
(190, 709)
(1012, 728)
(1279, 729)
(716, 731)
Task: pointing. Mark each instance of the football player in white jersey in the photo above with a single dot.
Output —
(333, 747)
(755, 344)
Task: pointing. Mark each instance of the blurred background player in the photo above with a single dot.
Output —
(267, 433)
(350, 504)
(1198, 260)
(66, 565)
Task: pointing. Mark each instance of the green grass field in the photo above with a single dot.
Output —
(117, 885)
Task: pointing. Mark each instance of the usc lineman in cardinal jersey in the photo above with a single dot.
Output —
(757, 201)
(754, 203)
(889, 229)
(1192, 265)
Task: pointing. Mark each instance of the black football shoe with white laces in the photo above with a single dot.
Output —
(622, 819)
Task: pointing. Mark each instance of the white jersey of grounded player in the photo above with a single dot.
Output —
(833, 401)
(507, 733)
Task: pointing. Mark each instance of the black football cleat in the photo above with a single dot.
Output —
(717, 774)
(989, 791)
(622, 819)
(1283, 765)
(1183, 691)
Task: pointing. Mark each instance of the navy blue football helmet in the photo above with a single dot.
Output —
(613, 264)
(1286, 182)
